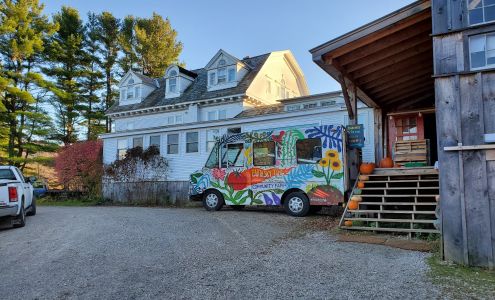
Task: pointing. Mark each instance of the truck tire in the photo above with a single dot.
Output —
(212, 200)
(296, 204)
(32, 208)
(20, 219)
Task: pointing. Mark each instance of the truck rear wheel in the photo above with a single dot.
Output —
(212, 200)
(20, 219)
(296, 204)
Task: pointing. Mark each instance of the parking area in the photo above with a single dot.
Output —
(124, 252)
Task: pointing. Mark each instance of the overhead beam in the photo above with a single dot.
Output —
(391, 56)
(411, 103)
(398, 62)
(420, 30)
(378, 86)
(342, 47)
(397, 70)
(393, 92)
(406, 95)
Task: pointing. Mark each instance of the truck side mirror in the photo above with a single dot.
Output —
(32, 179)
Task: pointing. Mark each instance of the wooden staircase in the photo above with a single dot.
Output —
(396, 200)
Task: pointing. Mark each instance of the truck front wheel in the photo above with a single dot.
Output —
(296, 204)
(212, 200)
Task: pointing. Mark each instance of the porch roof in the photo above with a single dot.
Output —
(389, 61)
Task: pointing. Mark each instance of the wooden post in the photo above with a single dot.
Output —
(353, 154)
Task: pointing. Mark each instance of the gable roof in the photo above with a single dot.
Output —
(217, 55)
(198, 90)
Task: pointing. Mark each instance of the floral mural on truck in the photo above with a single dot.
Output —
(305, 158)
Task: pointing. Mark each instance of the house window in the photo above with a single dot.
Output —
(234, 130)
(121, 148)
(212, 78)
(137, 142)
(222, 75)
(212, 115)
(172, 81)
(155, 141)
(191, 142)
(222, 114)
(130, 93)
(327, 103)
(131, 81)
(481, 11)
(482, 50)
(231, 74)
(264, 154)
(137, 91)
(122, 94)
(211, 138)
(282, 89)
(293, 107)
(178, 119)
(173, 143)
(170, 120)
(268, 86)
(308, 151)
(407, 129)
(309, 105)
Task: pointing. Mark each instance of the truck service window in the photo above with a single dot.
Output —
(232, 155)
(264, 154)
(308, 151)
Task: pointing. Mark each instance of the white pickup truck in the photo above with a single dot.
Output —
(16, 196)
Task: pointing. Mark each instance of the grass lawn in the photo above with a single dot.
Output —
(69, 202)
(459, 282)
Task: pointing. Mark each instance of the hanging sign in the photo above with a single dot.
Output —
(355, 136)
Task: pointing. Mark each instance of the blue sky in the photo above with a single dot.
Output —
(250, 27)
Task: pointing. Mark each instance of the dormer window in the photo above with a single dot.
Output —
(172, 82)
(130, 93)
(222, 76)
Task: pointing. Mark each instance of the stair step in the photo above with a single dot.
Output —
(391, 229)
(397, 203)
(419, 212)
(402, 181)
(397, 196)
(391, 220)
(401, 188)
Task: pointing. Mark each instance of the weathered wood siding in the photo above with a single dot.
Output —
(448, 15)
(154, 193)
(465, 112)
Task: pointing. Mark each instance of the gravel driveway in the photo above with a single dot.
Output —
(121, 252)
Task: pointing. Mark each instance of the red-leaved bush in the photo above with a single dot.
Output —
(79, 166)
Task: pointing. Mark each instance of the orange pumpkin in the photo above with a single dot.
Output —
(348, 223)
(356, 198)
(367, 168)
(387, 162)
(364, 177)
(360, 185)
(353, 205)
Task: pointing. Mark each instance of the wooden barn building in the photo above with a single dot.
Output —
(429, 69)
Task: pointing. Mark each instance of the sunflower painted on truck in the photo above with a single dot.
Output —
(299, 168)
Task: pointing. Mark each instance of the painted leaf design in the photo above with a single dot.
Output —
(195, 177)
(257, 202)
(332, 136)
(298, 176)
(338, 176)
(318, 174)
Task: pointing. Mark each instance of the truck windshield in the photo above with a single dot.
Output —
(232, 155)
(212, 161)
(7, 174)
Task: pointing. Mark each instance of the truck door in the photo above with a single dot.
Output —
(237, 175)
(27, 189)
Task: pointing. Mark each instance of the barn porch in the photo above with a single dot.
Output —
(388, 65)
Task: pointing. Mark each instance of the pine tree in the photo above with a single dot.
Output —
(66, 60)
(127, 41)
(109, 38)
(24, 125)
(156, 45)
(92, 81)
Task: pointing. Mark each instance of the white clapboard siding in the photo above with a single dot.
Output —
(183, 164)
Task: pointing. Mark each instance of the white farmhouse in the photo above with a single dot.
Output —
(183, 112)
